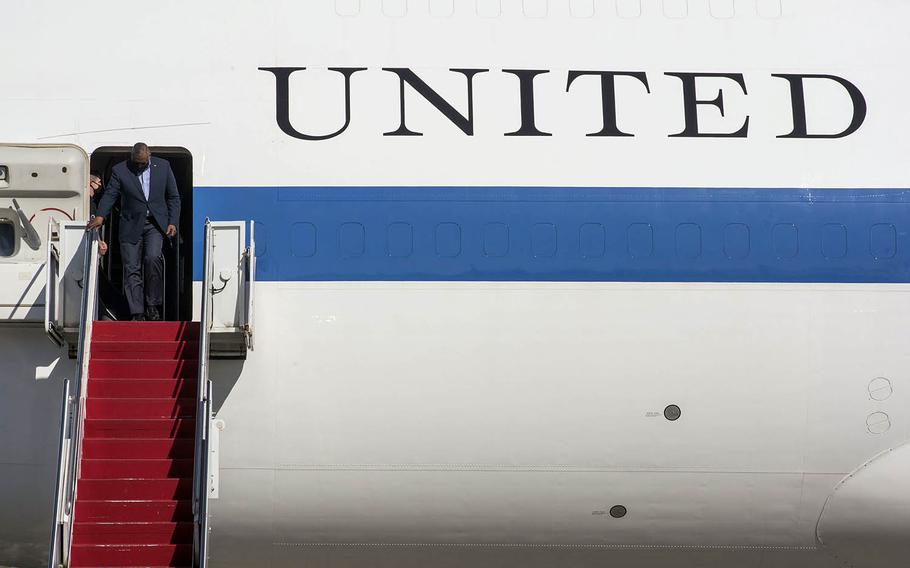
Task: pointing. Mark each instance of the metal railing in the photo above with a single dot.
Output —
(202, 474)
(203, 413)
(73, 413)
(56, 552)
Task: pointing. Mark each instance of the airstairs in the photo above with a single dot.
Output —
(134, 505)
(134, 476)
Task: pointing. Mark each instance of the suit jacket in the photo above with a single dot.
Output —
(163, 202)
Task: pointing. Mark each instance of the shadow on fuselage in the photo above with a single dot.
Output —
(224, 374)
(31, 392)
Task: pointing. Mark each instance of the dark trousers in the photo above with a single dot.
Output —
(143, 269)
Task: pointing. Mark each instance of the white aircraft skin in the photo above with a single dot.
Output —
(403, 415)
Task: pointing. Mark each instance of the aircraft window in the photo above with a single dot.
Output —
(442, 8)
(7, 238)
(768, 8)
(488, 8)
(347, 7)
(628, 8)
(676, 8)
(582, 8)
(722, 9)
(535, 8)
(395, 8)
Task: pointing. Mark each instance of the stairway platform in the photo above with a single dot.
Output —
(157, 350)
(136, 468)
(134, 511)
(141, 448)
(145, 331)
(97, 407)
(143, 388)
(101, 555)
(155, 532)
(140, 428)
(143, 369)
(139, 489)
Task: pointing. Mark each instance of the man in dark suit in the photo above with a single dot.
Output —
(149, 211)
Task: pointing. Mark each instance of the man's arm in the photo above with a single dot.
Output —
(172, 196)
(109, 196)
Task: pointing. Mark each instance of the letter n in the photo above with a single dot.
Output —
(406, 76)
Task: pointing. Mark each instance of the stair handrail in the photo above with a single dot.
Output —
(56, 546)
(73, 413)
(203, 412)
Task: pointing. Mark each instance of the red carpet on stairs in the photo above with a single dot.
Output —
(134, 493)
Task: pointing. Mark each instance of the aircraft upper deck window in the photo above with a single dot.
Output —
(7, 238)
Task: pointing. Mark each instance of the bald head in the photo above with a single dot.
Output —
(140, 155)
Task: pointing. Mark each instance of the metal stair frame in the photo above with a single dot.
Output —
(73, 415)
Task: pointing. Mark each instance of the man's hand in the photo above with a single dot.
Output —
(102, 248)
(94, 184)
(171, 231)
(95, 223)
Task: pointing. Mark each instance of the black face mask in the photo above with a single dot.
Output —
(138, 168)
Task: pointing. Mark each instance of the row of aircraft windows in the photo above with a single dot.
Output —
(721, 9)
(591, 241)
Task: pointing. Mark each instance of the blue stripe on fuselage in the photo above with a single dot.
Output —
(568, 234)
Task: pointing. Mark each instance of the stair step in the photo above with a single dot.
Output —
(142, 388)
(139, 369)
(133, 533)
(97, 407)
(145, 350)
(136, 469)
(91, 555)
(133, 511)
(145, 331)
(137, 489)
(152, 448)
(140, 428)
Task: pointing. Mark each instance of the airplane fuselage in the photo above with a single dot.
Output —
(531, 291)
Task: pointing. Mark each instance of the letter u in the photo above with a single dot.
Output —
(282, 100)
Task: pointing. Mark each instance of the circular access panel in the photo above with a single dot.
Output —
(878, 423)
(880, 389)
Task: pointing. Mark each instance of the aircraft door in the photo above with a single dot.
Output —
(39, 184)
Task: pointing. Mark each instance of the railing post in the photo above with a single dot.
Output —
(201, 468)
(56, 558)
(203, 413)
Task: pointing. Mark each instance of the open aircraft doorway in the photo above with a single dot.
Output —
(178, 261)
